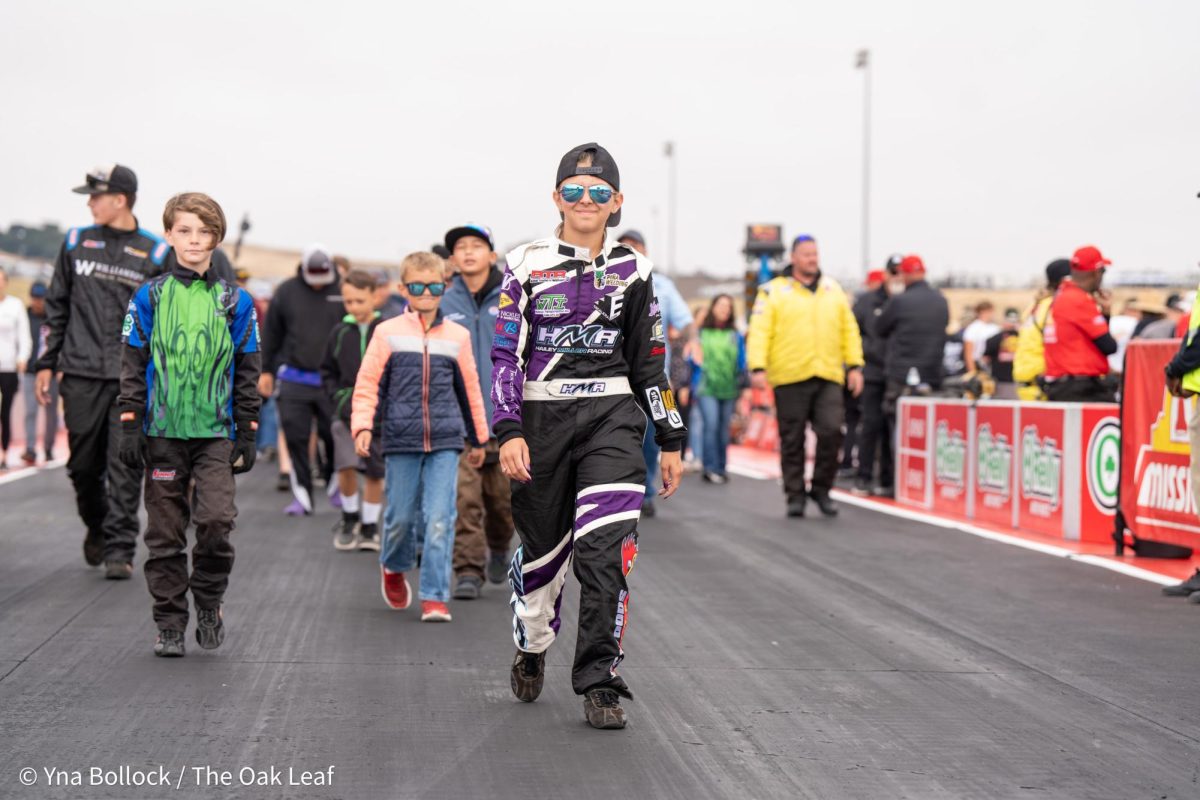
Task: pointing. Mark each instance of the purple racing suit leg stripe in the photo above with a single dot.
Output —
(581, 510)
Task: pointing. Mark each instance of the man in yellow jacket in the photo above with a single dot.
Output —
(1029, 362)
(805, 343)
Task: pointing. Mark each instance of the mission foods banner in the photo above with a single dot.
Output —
(1045, 468)
(1156, 485)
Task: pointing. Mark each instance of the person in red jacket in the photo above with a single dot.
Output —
(1078, 342)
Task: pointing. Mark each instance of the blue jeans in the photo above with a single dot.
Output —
(421, 484)
(268, 425)
(716, 414)
(650, 453)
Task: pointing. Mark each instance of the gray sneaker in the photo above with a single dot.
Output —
(118, 570)
(528, 674)
(1185, 589)
(345, 532)
(368, 536)
(210, 627)
(468, 587)
(169, 644)
(497, 568)
(602, 707)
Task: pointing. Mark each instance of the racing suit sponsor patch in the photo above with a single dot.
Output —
(505, 301)
(133, 251)
(547, 275)
(582, 388)
(93, 244)
(551, 305)
(655, 401)
(669, 400)
(162, 474)
(577, 339)
(674, 418)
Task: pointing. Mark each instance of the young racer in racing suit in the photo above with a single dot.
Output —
(578, 371)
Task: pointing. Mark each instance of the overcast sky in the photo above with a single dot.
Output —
(1005, 134)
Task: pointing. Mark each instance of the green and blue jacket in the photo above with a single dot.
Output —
(191, 361)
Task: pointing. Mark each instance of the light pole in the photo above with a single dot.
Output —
(863, 62)
(669, 152)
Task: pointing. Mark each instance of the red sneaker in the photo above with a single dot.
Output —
(395, 589)
(433, 611)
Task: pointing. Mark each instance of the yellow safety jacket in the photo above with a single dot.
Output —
(797, 334)
(1191, 380)
(1029, 362)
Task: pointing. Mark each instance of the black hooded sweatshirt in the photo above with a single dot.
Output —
(299, 320)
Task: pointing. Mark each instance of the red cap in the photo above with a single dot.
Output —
(1088, 259)
(876, 276)
(912, 264)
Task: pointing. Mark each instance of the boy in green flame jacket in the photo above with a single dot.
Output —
(189, 413)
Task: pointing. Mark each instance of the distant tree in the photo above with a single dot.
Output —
(31, 242)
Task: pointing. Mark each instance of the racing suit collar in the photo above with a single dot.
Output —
(583, 253)
(185, 275)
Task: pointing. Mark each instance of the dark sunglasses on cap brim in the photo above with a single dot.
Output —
(573, 193)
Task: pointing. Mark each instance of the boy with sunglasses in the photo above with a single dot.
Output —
(577, 375)
(418, 390)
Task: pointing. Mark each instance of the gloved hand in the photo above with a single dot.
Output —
(245, 446)
(131, 449)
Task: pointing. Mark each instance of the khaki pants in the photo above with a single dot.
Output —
(1194, 440)
(484, 513)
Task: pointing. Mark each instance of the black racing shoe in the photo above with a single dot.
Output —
(368, 536)
(648, 509)
(528, 674)
(825, 503)
(93, 548)
(497, 568)
(118, 570)
(468, 587)
(1184, 589)
(210, 627)
(345, 532)
(602, 707)
(283, 483)
(795, 507)
(861, 488)
(169, 644)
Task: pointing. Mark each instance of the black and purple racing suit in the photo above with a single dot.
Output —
(578, 370)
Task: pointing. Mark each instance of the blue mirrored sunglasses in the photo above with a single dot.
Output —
(573, 193)
(418, 288)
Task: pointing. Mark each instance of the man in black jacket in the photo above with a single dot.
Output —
(913, 326)
(303, 312)
(876, 433)
(97, 271)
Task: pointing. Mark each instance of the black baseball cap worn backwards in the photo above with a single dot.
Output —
(109, 179)
(603, 167)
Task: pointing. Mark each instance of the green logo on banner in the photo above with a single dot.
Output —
(993, 466)
(1041, 467)
(950, 455)
(1104, 464)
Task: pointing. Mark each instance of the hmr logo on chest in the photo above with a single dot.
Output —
(589, 336)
